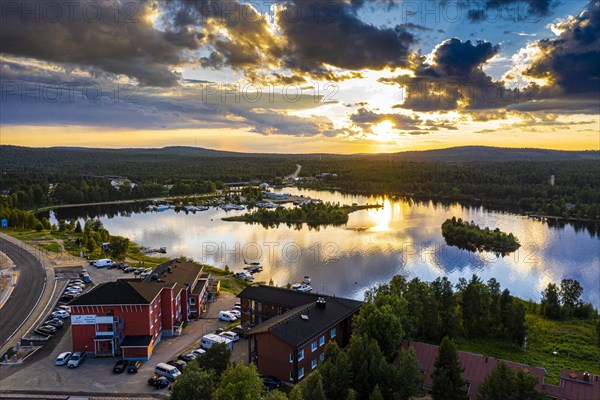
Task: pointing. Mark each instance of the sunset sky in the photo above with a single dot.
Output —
(341, 76)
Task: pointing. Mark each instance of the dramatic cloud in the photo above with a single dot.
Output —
(571, 61)
(453, 79)
(324, 32)
(86, 34)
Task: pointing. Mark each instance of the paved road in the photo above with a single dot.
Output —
(296, 173)
(27, 292)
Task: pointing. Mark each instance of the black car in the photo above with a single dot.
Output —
(47, 330)
(187, 357)
(120, 366)
(179, 364)
(270, 382)
(134, 366)
(55, 322)
(239, 330)
(159, 382)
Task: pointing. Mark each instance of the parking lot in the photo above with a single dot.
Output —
(95, 374)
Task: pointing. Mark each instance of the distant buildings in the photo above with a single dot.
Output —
(129, 317)
(290, 328)
(275, 196)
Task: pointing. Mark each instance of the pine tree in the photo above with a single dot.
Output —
(336, 372)
(376, 394)
(499, 385)
(447, 381)
(313, 387)
(410, 375)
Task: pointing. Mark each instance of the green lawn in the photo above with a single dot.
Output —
(52, 247)
(574, 341)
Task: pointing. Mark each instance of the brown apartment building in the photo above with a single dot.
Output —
(290, 329)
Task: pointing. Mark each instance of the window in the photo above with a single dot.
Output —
(313, 363)
(192, 301)
(321, 356)
(314, 346)
(291, 358)
(322, 340)
(300, 355)
(300, 373)
(332, 333)
(291, 376)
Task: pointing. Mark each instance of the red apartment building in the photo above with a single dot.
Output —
(573, 385)
(293, 328)
(129, 317)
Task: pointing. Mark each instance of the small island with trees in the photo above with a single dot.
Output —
(468, 236)
(313, 214)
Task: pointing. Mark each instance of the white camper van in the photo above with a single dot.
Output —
(103, 263)
(168, 371)
(211, 339)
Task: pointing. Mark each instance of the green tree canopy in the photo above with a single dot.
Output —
(216, 359)
(195, 384)
(239, 382)
(447, 381)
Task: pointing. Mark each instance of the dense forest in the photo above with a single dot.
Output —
(551, 183)
(313, 214)
(469, 236)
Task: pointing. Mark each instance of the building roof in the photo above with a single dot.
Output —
(305, 322)
(277, 296)
(476, 366)
(575, 385)
(137, 341)
(180, 273)
(119, 292)
(200, 286)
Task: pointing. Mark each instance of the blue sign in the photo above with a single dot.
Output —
(4, 223)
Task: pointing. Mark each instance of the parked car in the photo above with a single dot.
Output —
(73, 289)
(46, 330)
(64, 308)
(76, 281)
(76, 359)
(120, 366)
(227, 316)
(60, 314)
(55, 322)
(187, 357)
(270, 382)
(239, 330)
(134, 366)
(238, 307)
(237, 313)
(234, 337)
(138, 271)
(63, 358)
(179, 364)
(129, 269)
(159, 382)
(86, 278)
(122, 265)
(198, 352)
(166, 370)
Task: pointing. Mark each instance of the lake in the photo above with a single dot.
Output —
(403, 237)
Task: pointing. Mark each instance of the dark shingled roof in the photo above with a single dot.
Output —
(119, 292)
(278, 296)
(137, 341)
(177, 272)
(292, 328)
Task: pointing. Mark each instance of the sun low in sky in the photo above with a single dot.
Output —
(341, 76)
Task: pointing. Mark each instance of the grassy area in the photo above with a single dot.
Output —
(574, 341)
(52, 247)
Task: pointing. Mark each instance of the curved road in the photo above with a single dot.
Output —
(25, 295)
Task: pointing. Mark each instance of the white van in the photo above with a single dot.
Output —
(105, 262)
(168, 371)
(211, 339)
(227, 316)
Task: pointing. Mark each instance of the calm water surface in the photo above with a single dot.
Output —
(401, 238)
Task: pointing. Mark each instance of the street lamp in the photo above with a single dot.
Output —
(555, 353)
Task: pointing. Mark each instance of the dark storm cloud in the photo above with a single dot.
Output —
(329, 32)
(572, 60)
(454, 79)
(86, 34)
